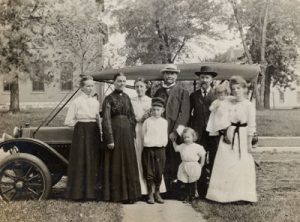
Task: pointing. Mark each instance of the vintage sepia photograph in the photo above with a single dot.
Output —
(150, 110)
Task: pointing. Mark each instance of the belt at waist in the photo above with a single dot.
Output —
(154, 147)
(120, 117)
(239, 124)
(86, 120)
(184, 161)
(237, 132)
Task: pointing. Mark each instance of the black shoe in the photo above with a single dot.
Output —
(128, 201)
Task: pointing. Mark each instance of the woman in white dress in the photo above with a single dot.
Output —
(141, 106)
(233, 176)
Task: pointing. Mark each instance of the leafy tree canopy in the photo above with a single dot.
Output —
(157, 30)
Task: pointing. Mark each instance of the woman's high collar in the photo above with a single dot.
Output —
(118, 91)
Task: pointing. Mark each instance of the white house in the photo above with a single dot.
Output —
(288, 98)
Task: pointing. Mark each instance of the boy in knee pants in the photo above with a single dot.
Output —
(155, 132)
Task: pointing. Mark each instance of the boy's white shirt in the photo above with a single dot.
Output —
(155, 132)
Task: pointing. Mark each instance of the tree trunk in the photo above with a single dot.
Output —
(263, 62)
(267, 90)
(14, 96)
(241, 31)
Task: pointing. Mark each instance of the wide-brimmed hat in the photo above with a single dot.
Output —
(158, 101)
(170, 68)
(206, 70)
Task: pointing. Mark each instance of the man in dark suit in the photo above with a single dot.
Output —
(200, 101)
(177, 114)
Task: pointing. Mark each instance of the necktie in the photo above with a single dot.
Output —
(204, 93)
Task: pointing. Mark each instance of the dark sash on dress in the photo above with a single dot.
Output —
(237, 132)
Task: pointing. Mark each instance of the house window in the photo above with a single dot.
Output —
(298, 97)
(281, 97)
(66, 76)
(38, 76)
(298, 80)
(38, 85)
(6, 86)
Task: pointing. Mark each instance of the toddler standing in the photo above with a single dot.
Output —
(189, 170)
(155, 139)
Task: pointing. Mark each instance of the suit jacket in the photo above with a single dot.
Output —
(200, 112)
(177, 106)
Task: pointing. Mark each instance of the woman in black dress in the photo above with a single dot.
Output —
(120, 177)
(83, 157)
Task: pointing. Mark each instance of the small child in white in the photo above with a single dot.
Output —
(189, 171)
(155, 139)
(219, 116)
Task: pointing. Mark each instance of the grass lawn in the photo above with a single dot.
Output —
(33, 116)
(278, 186)
(269, 122)
(59, 211)
(278, 182)
(278, 122)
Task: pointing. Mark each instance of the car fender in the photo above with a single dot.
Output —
(33, 146)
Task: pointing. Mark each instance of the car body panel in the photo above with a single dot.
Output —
(54, 160)
(187, 71)
(50, 135)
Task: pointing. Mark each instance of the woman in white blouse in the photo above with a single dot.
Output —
(141, 106)
(83, 157)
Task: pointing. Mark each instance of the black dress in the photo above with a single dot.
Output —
(120, 177)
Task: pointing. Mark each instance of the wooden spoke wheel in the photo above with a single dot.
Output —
(24, 177)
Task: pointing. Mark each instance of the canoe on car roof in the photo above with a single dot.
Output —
(152, 71)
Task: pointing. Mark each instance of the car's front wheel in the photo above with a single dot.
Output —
(24, 177)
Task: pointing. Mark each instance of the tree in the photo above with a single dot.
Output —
(280, 55)
(36, 35)
(269, 40)
(157, 31)
(79, 34)
(81, 40)
(22, 32)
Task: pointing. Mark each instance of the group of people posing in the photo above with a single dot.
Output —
(185, 146)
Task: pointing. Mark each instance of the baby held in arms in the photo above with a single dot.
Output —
(218, 120)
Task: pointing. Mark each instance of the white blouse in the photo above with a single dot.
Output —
(83, 109)
(243, 112)
(141, 106)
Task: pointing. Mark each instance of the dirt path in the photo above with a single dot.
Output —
(171, 210)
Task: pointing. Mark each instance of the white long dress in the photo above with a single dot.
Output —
(233, 176)
(142, 105)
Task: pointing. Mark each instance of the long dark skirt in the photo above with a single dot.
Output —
(121, 177)
(83, 168)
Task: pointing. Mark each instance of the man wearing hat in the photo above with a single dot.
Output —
(200, 101)
(177, 107)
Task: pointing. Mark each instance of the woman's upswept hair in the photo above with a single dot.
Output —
(140, 79)
(238, 80)
(191, 131)
(83, 79)
(117, 75)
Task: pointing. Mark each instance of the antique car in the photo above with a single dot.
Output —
(37, 157)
